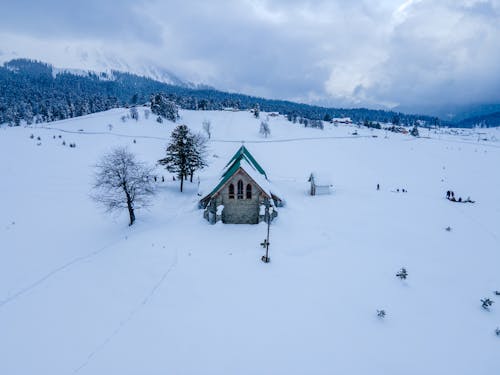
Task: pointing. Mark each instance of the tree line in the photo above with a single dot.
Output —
(32, 91)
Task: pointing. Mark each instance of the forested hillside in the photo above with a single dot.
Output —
(32, 91)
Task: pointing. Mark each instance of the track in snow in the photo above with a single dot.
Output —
(129, 317)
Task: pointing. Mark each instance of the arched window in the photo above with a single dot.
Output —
(231, 191)
(240, 189)
(249, 191)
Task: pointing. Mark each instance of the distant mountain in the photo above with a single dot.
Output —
(455, 114)
(488, 121)
(34, 91)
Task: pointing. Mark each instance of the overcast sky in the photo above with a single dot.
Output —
(413, 53)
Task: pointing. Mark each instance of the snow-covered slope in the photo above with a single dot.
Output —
(81, 292)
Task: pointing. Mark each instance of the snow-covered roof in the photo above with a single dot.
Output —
(243, 160)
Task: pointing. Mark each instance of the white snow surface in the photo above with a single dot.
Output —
(83, 293)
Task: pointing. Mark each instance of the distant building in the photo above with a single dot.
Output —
(243, 194)
(342, 120)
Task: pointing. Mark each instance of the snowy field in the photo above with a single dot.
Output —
(81, 292)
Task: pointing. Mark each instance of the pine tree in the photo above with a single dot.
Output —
(256, 110)
(179, 151)
(414, 131)
(163, 107)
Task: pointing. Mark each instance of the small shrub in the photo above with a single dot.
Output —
(159, 119)
(32, 136)
(486, 303)
(38, 138)
(497, 331)
(64, 143)
(381, 314)
(402, 274)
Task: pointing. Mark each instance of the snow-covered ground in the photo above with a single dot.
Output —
(81, 292)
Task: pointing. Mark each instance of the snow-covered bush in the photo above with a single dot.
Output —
(381, 314)
(402, 274)
(486, 303)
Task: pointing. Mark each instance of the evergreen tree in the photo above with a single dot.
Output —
(163, 107)
(256, 110)
(179, 153)
(414, 131)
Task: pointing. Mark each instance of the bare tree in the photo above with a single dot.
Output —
(207, 127)
(264, 129)
(134, 113)
(123, 182)
(198, 156)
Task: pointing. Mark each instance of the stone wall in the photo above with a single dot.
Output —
(240, 211)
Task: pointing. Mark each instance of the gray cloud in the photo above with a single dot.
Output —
(79, 19)
(416, 54)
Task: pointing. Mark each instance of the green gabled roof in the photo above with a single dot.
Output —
(234, 164)
(244, 153)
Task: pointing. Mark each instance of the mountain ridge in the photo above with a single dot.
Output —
(36, 90)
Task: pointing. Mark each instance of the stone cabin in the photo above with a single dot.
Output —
(243, 194)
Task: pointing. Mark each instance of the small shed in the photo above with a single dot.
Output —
(319, 186)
